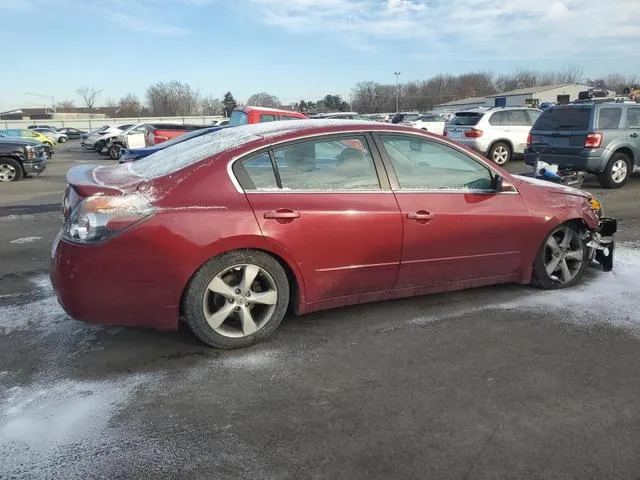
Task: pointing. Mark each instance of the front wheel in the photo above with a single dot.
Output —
(48, 144)
(562, 259)
(98, 146)
(617, 172)
(115, 151)
(10, 170)
(62, 140)
(500, 153)
(236, 299)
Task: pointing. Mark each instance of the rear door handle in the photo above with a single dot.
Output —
(634, 135)
(282, 214)
(420, 215)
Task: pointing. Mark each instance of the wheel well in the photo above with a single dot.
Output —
(501, 140)
(294, 287)
(627, 151)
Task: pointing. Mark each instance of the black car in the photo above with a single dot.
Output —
(72, 133)
(19, 158)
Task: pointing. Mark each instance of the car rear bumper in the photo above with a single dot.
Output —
(103, 285)
(588, 160)
(34, 167)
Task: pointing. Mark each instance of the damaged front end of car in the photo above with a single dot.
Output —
(601, 242)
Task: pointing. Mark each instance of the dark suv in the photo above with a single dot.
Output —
(599, 138)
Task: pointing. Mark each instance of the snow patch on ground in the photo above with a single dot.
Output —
(26, 240)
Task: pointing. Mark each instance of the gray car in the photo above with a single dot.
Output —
(599, 138)
(498, 133)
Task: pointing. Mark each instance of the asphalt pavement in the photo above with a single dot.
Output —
(490, 383)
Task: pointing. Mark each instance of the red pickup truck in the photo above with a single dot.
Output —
(244, 115)
(161, 132)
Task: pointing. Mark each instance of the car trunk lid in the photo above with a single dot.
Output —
(561, 130)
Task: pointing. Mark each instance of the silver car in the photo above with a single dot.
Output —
(496, 132)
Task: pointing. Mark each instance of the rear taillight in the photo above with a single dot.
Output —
(529, 140)
(593, 140)
(100, 217)
(473, 133)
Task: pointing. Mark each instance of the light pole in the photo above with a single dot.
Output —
(397, 74)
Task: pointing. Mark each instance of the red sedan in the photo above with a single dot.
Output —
(229, 230)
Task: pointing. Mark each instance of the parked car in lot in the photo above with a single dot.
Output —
(227, 231)
(27, 134)
(599, 138)
(497, 132)
(161, 132)
(98, 139)
(132, 154)
(246, 115)
(220, 123)
(429, 122)
(404, 117)
(57, 135)
(72, 133)
(19, 158)
(48, 127)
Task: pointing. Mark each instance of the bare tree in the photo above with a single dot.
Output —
(65, 104)
(89, 95)
(110, 103)
(172, 98)
(570, 74)
(210, 106)
(370, 97)
(129, 106)
(263, 99)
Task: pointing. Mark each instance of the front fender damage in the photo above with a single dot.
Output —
(601, 243)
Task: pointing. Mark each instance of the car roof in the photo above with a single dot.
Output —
(267, 109)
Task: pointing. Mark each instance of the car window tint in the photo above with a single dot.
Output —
(422, 164)
(498, 118)
(466, 118)
(516, 118)
(288, 117)
(633, 117)
(609, 117)
(261, 172)
(267, 118)
(341, 164)
(533, 116)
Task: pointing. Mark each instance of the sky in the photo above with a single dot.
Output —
(298, 49)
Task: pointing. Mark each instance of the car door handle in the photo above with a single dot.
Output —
(282, 214)
(420, 215)
(634, 135)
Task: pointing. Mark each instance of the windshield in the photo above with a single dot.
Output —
(563, 118)
(238, 117)
(466, 118)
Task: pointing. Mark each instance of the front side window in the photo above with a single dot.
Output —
(422, 164)
(609, 117)
(340, 164)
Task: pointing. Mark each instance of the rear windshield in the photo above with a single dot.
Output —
(238, 117)
(563, 118)
(466, 118)
(188, 152)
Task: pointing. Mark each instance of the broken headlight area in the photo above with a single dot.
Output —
(601, 243)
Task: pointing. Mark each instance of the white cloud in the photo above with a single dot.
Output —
(492, 28)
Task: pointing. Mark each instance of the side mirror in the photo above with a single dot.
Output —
(497, 183)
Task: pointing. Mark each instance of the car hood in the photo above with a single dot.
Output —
(552, 187)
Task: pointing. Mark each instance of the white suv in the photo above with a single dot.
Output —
(496, 132)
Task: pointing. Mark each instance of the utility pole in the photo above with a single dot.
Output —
(397, 74)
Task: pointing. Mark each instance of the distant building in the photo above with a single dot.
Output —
(534, 96)
(458, 105)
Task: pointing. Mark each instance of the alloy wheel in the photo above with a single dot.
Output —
(564, 254)
(619, 171)
(500, 154)
(240, 300)
(7, 172)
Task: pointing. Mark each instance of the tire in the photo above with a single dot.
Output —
(10, 170)
(575, 256)
(62, 140)
(98, 145)
(115, 151)
(617, 171)
(225, 273)
(48, 144)
(500, 153)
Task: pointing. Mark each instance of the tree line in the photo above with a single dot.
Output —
(180, 99)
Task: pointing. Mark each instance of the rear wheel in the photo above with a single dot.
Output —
(62, 139)
(562, 259)
(617, 172)
(500, 153)
(236, 299)
(115, 151)
(10, 170)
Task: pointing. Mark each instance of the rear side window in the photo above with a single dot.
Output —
(564, 118)
(498, 118)
(267, 118)
(261, 172)
(609, 117)
(633, 118)
(466, 119)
